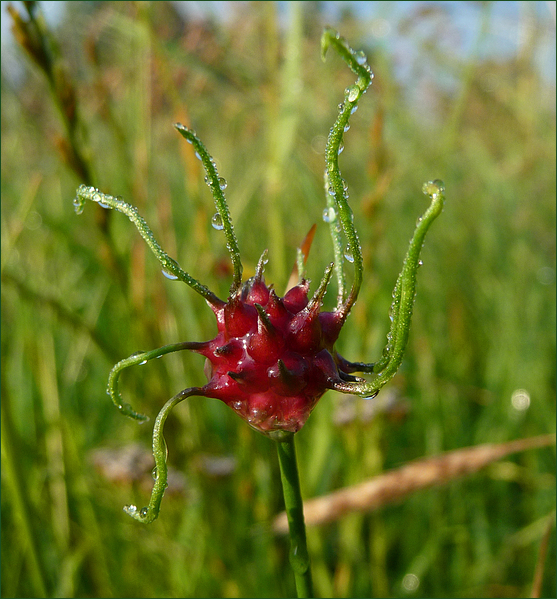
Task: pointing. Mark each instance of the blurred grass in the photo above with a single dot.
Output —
(262, 102)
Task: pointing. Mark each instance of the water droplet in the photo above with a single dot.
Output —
(440, 185)
(354, 108)
(331, 190)
(329, 215)
(78, 206)
(130, 509)
(371, 395)
(208, 180)
(341, 106)
(420, 263)
(143, 512)
(103, 205)
(433, 188)
(197, 155)
(340, 149)
(348, 254)
(169, 275)
(222, 183)
(352, 93)
(96, 197)
(155, 473)
(360, 57)
(216, 222)
(144, 362)
(237, 405)
(346, 127)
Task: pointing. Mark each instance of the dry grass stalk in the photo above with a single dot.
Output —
(397, 484)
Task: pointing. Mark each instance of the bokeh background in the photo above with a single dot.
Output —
(464, 92)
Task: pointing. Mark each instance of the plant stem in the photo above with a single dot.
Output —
(299, 557)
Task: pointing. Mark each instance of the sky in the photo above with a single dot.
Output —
(382, 17)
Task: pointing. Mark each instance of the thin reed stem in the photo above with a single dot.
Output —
(299, 557)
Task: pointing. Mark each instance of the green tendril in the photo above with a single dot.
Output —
(331, 216)
(141, 357)
(160, 473)
(260, 268)
(217, 185)
(335, 186)
(317, 298)
(404, 295)
(170, 268)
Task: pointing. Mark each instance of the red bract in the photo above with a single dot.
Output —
(273, 357)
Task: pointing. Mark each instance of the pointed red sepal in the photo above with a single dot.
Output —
(239, 317)
(266, 344)
(296, 299)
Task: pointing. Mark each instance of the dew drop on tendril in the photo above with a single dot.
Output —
(169, 275)
(433, 188)
(216, 222)
(360, 57)
(329, 215)
(222, 183)
(352, 93)
(348, 254)
(78, 206)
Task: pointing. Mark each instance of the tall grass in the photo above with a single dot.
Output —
(262, 101)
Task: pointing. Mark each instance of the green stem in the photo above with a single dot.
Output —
(217, 185)
(150, 512)
(171, 268)
(402, 306)
(335, 186)
(141, 357)
(299, 557)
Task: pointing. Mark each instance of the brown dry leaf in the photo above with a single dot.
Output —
(397, 484)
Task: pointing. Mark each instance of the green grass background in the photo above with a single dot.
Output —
(261, 99)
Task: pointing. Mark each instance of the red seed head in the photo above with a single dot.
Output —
(272, 359)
